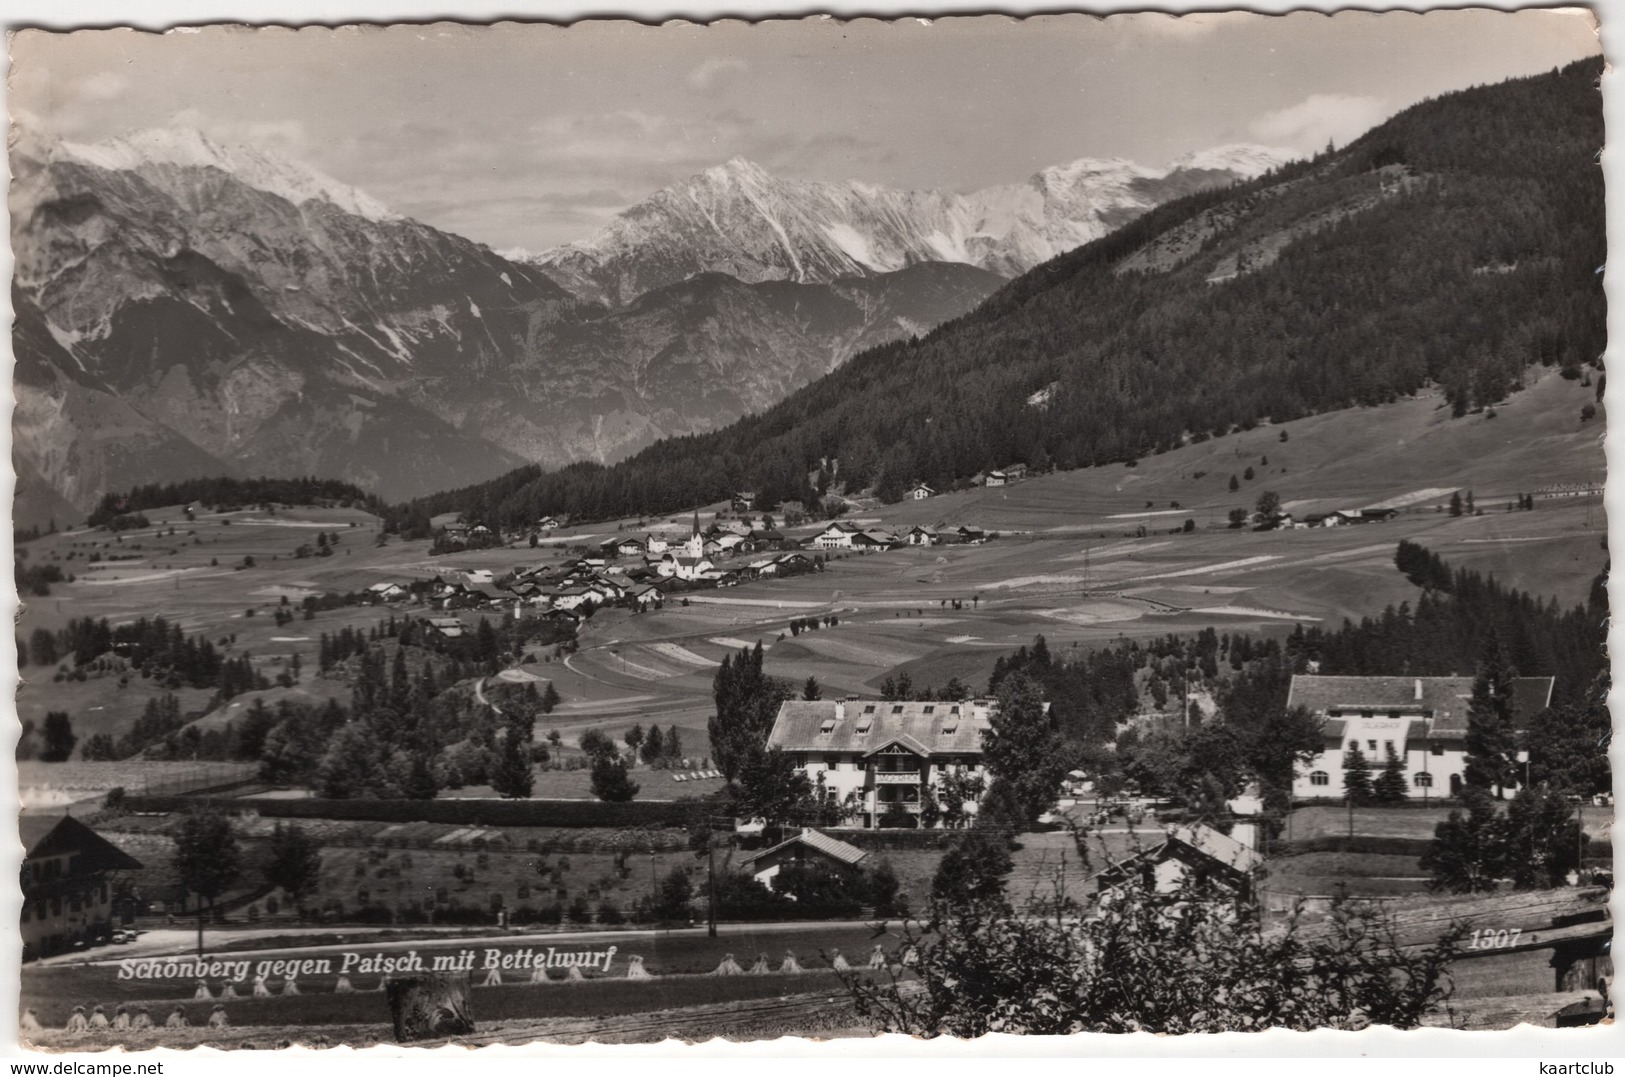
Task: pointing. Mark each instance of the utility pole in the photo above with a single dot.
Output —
(711, 887)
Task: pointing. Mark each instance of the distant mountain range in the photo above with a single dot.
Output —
(1455, 245)
(187, 308)
(738, 219)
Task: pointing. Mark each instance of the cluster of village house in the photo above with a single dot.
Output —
(1336, 518)
(639, 570)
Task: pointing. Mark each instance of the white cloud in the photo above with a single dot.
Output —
(711, 71)
(1321, 118)
(282, 138)
(105, 86)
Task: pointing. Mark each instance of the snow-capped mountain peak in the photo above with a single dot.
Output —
(1244, 159)
(740, 219)
(186, 147)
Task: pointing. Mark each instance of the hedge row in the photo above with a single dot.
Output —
(888, 838)
(1359, 843)
(1377, 846)
(529, 813)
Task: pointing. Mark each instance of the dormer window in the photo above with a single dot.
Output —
(950, 730)
(897, 709)
(954, 710)
(864, 725)
(869, 709)
(828, 726)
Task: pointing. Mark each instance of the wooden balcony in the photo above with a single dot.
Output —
(897, 777)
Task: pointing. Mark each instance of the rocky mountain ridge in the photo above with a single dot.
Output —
(739, 219)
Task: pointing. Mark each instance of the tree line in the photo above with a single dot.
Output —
(225, 491)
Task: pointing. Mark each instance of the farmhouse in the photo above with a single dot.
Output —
(387, 592)
(1423, 720)
(68, 876)
(769, 539)
(971, 535)
(1187, 850)
(644, 596)
(920, 492)
(571, 598)
(837, 536)
(809, 845)
(873, 540)
(1005, 476)
(446, 627)
(919, 535)
(878, 759)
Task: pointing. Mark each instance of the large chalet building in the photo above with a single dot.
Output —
(877, 757)
(1422, 719)
(68, 878)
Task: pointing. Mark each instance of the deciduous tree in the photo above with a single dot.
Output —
(1193, 960)
(610, 781)
(293, 863)
(1023, 749)
(747, 701)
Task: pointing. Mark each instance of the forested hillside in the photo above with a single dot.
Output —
(1457, 244)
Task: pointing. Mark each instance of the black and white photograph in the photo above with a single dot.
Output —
(625, 531)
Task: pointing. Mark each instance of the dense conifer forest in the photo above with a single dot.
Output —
(226, 491)
(1455, 245)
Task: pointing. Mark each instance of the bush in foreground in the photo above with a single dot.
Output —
(1194, 960)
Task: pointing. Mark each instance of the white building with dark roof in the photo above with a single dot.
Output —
(809, 845)
(69, 875)
(879, 758)
(1187, 850)
(1422, 719)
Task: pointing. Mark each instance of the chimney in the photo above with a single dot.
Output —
(840, 711)
(1419, 689)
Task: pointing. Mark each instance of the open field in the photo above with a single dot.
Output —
(1070, 564)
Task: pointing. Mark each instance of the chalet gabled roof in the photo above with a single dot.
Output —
(938, 728)
(59, 835)
(1217, 845)
(833, 848)
(902, 739)
(1445, 698)
(1205, 841)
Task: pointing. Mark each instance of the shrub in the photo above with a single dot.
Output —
(580, 911)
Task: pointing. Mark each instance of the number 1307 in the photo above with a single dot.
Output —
(1494, 940)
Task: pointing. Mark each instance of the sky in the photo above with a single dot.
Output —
(532, 136)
